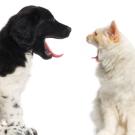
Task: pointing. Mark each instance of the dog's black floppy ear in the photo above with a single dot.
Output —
(22, 31)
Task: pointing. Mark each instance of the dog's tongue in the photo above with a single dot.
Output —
(51, 53)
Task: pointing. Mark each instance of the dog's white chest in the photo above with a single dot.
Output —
(14, 83)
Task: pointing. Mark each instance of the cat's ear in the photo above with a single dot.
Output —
(114, 32)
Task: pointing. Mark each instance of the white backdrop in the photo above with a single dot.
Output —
(58, 97)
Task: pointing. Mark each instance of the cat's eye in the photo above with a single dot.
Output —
(95, 33)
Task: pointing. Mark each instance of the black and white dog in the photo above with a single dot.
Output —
(24, 35)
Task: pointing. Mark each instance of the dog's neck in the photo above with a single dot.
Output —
(11, 56)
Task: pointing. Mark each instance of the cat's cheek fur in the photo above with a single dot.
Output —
(91, 40)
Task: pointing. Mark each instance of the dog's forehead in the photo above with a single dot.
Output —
(27, 10)
(36, 10)
(45, 12)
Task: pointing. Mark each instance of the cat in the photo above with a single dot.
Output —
(114, 106)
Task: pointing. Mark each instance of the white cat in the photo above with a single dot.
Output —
(114, 108)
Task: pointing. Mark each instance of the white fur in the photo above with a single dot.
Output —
(11, 87)
(114, 108)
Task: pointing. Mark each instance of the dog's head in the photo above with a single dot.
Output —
(31, 26)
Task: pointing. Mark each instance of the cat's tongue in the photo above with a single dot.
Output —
(96, 57)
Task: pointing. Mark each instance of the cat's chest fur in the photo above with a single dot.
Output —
(118, 84)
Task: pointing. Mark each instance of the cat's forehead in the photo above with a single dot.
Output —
(101, 30)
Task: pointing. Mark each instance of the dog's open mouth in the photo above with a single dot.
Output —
(49, 52)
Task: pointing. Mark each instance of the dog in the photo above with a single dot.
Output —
(23, 36)
(114, 106)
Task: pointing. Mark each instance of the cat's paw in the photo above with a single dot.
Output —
(104, 132)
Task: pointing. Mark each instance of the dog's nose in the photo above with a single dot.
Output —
(69, 29)
(66, 31)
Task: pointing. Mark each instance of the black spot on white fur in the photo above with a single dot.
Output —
(4, 97)
(16, 105)
(6, 131)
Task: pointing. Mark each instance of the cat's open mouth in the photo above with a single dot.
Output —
(96, 57)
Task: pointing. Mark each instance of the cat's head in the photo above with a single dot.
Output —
(105, 37)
